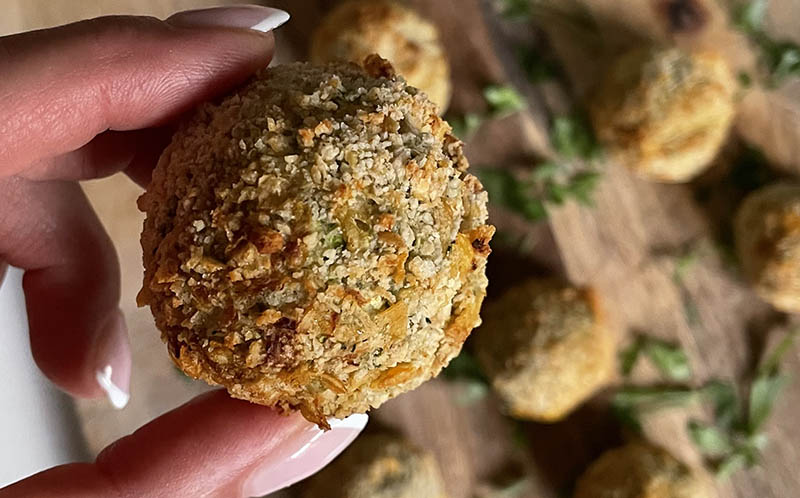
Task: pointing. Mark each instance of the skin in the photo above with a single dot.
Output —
(62, 121)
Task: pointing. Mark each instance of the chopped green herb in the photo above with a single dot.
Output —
(730, 465)
(545, 171)
(767, 385)
(465, 367)
(537, 67)
(517, 10)
(583, 185)
(710, 440)
(750, 16)
(573, 137)
(505, 190)
(781, 58)
(651, 398)
(503, 100)
(745, 79)
(784, 60)
(464, 127)
(670, 360)
(763, 394)
(725, 402)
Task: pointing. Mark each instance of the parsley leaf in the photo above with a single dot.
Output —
(670, 360)
(537, 67)
(517, 10)
(709, 439)
(750, 16)
(464, 127)
(503, 100)
(628, 358)
(725, 402)
(506, 190)
(763, 393)
(573, 137)
(466, 367)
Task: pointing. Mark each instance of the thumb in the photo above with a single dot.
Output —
(213, 446)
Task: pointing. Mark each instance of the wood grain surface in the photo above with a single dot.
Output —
(625, 246)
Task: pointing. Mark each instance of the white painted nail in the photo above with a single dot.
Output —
(303, 455)
(253, 17)
(116, 396)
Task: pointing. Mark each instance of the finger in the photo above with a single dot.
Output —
(62, 86)
(134, 152)
(212, 446)
(71, 283)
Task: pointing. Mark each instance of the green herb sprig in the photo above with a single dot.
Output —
(780, 58)
(736, 437)
(501, 100)
(550, 183)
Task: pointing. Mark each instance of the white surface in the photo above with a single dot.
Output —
(38, 426)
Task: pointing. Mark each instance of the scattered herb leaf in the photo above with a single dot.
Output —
(464, 127)
(503, 100)
(537, 67)
(572, 137)
(710, 440)
(506, 190)
(781, 58)
(730, 465)
(516, 10)
(465, 366)
(749, 17)
(725, 402)
(670, 360)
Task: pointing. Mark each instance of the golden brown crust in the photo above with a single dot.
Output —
(357, 28)
(767, 230)
(640, 470)
(546, 348)
(313, 243)
(665, 113)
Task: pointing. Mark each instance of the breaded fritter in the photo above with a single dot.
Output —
(545, 347)
(313, 242)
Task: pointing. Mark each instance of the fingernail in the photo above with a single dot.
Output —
(254, 17)
(115, 394)
(305, 456)
(112, 360)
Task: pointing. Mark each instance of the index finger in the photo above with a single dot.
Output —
(61, 87)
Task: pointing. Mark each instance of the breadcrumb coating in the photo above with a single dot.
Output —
(358, 28)
(767, 231)
(665, 113)
(546, 348)
(379, 466)
(640, 470)
(313, 242)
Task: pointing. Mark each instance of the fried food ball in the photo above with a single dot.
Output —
(665, 113)
(357, 28)
(314, 242)
(379, 466)
(546, 348)
(767, 232)
(640, 470)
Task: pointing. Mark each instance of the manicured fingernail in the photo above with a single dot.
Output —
(115, 394)
(306, 455)
(252, 17)
(112, 360)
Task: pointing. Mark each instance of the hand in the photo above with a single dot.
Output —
(89, 100)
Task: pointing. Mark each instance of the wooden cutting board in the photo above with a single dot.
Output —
(625, 246)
